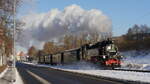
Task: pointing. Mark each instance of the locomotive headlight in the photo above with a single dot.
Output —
(104, 56)
(108, 47)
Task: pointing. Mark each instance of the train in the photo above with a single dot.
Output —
(104, 53)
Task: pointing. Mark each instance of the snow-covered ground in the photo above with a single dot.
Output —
(136, 60)
(18, 78)
(87, 68)
(2, 73)
(11, 74)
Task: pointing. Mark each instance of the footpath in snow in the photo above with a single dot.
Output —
(86, 68)
(10, 76)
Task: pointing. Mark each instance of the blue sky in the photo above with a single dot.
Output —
(123, 13)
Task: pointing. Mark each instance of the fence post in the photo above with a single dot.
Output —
(51, 59)
(39, 58)
(62, 57)
(78, 55)
(44, 58)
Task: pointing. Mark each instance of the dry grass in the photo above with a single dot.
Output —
(2, 68)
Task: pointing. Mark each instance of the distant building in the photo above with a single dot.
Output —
(21, 56)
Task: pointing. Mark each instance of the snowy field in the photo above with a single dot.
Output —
(87, 68)
(136, 60)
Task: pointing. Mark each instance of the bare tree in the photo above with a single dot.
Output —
(32, 52)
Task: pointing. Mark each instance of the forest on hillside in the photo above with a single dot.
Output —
(136, 38)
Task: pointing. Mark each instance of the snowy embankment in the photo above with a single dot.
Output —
(89, 69)
(136, 60)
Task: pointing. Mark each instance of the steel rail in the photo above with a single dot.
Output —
(132, 70)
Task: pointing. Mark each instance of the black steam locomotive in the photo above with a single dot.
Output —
(103, 53)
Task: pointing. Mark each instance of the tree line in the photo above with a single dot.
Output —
(136, 38)
(6, 28)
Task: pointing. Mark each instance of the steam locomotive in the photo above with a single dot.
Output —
(108, 54)
(103, 53)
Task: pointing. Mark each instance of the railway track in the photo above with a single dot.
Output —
(144, 71)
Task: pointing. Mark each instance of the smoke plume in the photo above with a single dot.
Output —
(43, 27)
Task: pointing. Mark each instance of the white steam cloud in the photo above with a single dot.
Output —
(40, 28)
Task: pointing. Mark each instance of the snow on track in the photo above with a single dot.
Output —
(125, 75)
